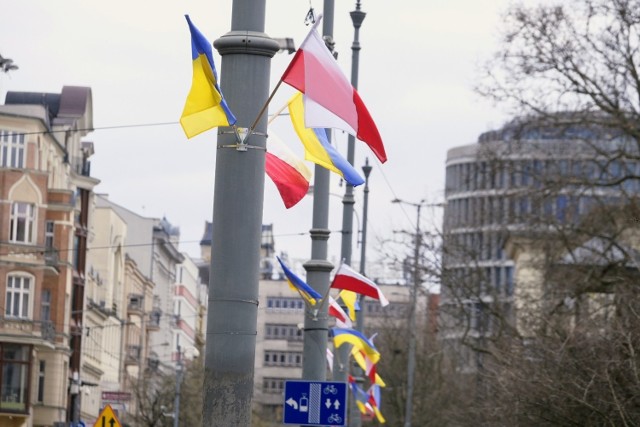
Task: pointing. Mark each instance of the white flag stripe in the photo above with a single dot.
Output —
(348, 278)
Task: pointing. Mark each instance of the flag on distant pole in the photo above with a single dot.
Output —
(350, 300)
(288, 172)
(330, 359)
(357, 339)
(360, 396)
(315, 72)
(317, 147)
(374, 401)
(205, 107)
(367, 366)
(347, 278)
(342, 318)
(297, 284)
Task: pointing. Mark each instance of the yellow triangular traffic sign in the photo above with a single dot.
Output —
(107, 418)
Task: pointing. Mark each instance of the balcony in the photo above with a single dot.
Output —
(51, 257)
(135, 305)
(133, 355)
(154, 320)
(28, 329)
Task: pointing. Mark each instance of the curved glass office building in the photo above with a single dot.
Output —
(521, 177)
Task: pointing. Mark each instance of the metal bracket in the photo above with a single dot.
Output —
(241, 136)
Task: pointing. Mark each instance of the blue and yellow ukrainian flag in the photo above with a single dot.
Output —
(317, 147)
(355, 338)
(205, 107)
(297, 284)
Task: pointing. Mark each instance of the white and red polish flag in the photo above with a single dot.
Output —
(342, 319)
(347, 278)
(287, 171)
(330, 99)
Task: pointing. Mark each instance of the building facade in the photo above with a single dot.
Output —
(46, 196)
(176, 310)
(525, 177)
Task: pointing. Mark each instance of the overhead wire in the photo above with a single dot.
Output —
(93, 129)
(141, 125)
(40, 250)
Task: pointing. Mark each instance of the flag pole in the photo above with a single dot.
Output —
(273, 92)
(277, 113)
(263, 109)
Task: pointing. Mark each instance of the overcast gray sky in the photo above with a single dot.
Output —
(418, 63)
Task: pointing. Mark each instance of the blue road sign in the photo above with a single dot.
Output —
(322, 403)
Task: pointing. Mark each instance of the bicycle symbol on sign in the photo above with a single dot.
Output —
(334, 419)
(330, 389)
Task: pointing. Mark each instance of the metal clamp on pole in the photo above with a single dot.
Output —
(241, 136)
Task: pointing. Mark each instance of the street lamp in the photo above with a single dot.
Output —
(411, 363)
(366, 169)
(356, 419)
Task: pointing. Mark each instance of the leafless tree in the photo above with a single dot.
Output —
(563, 348)
(155, 394)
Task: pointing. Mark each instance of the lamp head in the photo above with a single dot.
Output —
(366, 169)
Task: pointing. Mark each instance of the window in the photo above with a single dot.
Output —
(509, 281)
(282, 358)
(285, 304)
(561, 207)
(48, 235)
(283, 332)
(12, 149)
(15, 360)
(45, 305)
(135, 302)
(273, 385)
(76, 252)
(40, 397)
(17, 299)
(22, 222)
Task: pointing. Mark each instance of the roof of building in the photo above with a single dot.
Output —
(66, 108)
(208, 233)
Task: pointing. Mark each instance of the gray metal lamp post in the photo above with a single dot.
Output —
(357, 16)
(366, 169)
(411, 362)
(340, 373)
(237, 221)
(355, 419)
(316, 326)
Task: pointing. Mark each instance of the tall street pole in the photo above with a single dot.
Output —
(176, 401)
(366, 169)
(357, 16)
(411, 362)
(316, 326)
(341, 369)
(237, 219)
(355, 420)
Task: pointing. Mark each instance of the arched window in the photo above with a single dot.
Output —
(18, 296)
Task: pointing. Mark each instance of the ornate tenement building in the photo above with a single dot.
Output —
(46, 194)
